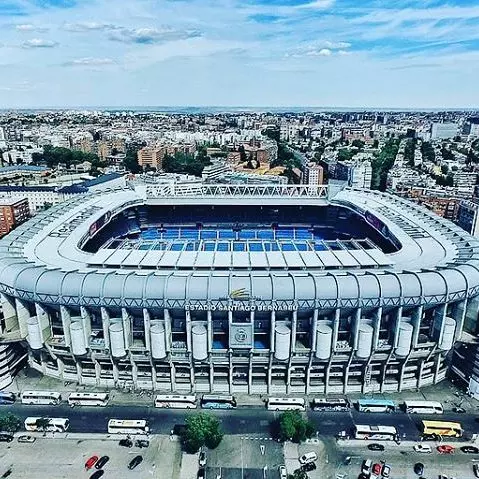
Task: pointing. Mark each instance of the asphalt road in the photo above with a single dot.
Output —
(242, 420)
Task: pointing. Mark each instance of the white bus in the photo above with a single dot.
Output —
(423, 407)
(55, 424)
(175, 401)
(128, 426)
(375, 432)
(88, 399)
(41, 397)
(286, 404)
(330, 404)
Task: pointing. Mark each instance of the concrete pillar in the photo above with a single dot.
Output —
(294, 327)
(116, 374)
(147, 324)
(60, 367)
(127, 327)
(439, 315)
(66, 321)
(153, 377)
(334, 342)
(250, 374)
(397, 322)
(188, 331)
(355, 327)
(271, 333)
(167, 317)
(314, 328)
(86, 319)
(79, 371)
(173, 375)
(416, 318)
(209, 329)
(377, 316)
(269, 372)
(22, 315)
(134, 372)
(105, 322)
(230, 373)
(459, 314)
(212, 375)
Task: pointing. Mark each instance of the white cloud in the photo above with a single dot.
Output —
(90, 61)
(39, 43)
(88, 26)
(150, 35)
(29, 27)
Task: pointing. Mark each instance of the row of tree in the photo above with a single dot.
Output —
(382, 163)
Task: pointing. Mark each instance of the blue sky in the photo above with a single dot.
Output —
(371, 53)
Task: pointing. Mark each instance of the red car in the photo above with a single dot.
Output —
(91, 462)
(445, 449)
(377, 469)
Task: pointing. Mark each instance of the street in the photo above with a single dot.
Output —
(243, 420)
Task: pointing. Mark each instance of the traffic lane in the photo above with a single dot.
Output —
(331, 423)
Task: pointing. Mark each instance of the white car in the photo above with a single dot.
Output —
(424, 448)
(283, 474)
(308, 457)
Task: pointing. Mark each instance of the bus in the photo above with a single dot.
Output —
(330, 404)
(55, 424)
(41, 397)
(385, 433)
(209, 401)
(7, 397)
(423, 407)
(88, 399)
(128, 426)
(175, 401)
(286, 404)
(376, 405)
(435, 429)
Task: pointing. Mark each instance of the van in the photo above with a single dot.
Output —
(308, 457)
(366, 468)
(6, 436)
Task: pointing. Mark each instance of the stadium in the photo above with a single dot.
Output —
(287, 289)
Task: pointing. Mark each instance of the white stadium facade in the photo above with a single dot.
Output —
(255, 289)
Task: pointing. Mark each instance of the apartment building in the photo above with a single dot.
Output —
(13, 212)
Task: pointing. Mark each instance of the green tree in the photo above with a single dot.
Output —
(298, 474)
(130, 162)
(201, 430)
(42, 423)
(243, 157)
(10, 422)
(358, 144)
(292, 426)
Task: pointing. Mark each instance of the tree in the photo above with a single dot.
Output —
(10, 422)
(201, 430)
(243, 157)
(42, 423)
(358, 144)
(298, 474)
(292, 426)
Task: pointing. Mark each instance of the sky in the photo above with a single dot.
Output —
(322, 53)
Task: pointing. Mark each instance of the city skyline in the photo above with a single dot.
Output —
(280, 53)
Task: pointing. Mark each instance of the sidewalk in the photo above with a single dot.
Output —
(445, 392)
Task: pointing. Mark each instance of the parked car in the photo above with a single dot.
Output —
(26, 439)
(101, 462)
(475, 469)
(142, 443)
(419, 468)
(97, 474)
(458, 409)
(470, 449)
(424, 448)
(366, 467)
(135, 462)
(377, 469)
(445, 449)
(201, 473)
(310, 466)
(126, 443)
(308, 457)
(283, 474)
(386, 471)
(91, 462)
(202, 459)
(6, 436)
(375, 447)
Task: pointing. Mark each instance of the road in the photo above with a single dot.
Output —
(243, 420)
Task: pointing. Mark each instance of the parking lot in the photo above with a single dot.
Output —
(59, 458)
